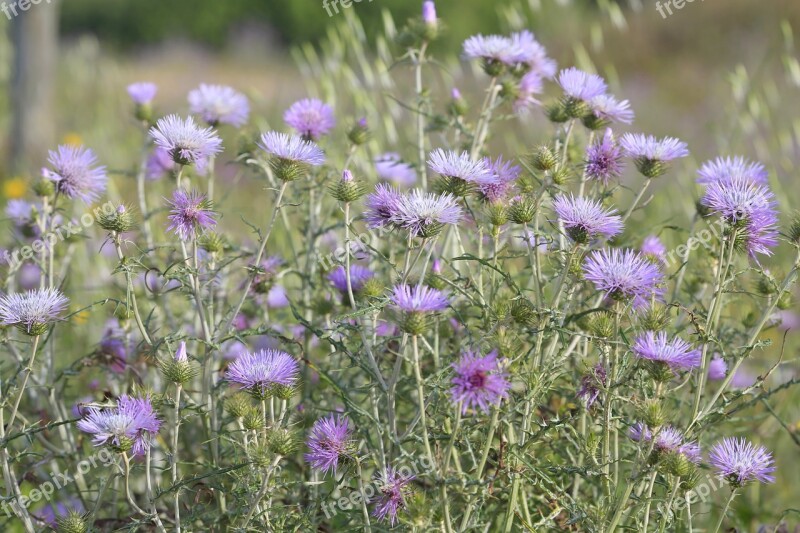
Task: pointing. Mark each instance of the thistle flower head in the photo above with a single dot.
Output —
(453, 165)
(33, 311)
(264, 372)
(75, 174)
(425, 214)
(429, 12)
(606, 109)
(330, 441)
(290, 155)
(677, 354)
(191, 213)
(310, 118)
(622, 275)
(186, 142)
(382, 206)
(128, 426)
(653, 248)
(414, 299)
(652, 155)
(592, 384)
(159, 164)
(391, 168)
(581, 85)
(717, 369)
(604, 159)
(359, 275)
(142, 93)
(392, 494)
(740, 461)
(530, 85)
(732, 169)
(585, 219)
(503, 175)
(479, 382)
(219, 104)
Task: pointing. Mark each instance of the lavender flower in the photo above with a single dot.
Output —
(391, 168)
(159, 164)
(585, 219)
(142, 93)
(606, 109)
(592, 384)
(128, 426)
(75, 174)
(529, 55)
(521, 52)
(530, 85)
(730, 169)
(580, 85)
(622, 275)
(414, 299)
(503, 176)
(425, 214)
(604, 159)
(717, 369)
(264, 373)
(639, 432)
(359, 275)
(652, 155)
(739, 461)
(676, 354)
(382, 206)
(186, 142)
(310, 118)
(458, 171)
(393, 493)
(191, 213)
(330, 441)
(479, 382)
(653, 248)
(219, 104)
(291, 156)
(429, 12)
(33, 311)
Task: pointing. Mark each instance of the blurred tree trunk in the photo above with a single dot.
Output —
(34, 35)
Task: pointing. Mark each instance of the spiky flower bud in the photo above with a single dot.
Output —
(414, 323)
(253, 419)
(651, 168)
(44, 188)
(794, 228)
(658, 370)
(212, 242)
(283, 392)
(561, 175)
(238, 405)
(785, 301)
(72, 522)
(556, 113)
(281, 441)
(178, 370)
(524, 312)
(458, 105)
(119, 221)
(522, 210)
(655, 318)
(601, 325)
(359, 133)
(543, 158)
(373, 288)
(497, 213)
(651, 413)
(677, 464)
(347, 189)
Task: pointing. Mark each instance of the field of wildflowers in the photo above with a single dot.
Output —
(384, 313)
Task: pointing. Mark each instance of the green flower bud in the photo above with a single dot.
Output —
(238, 405)
(522, 210)
(253, 420)
(73, 522)
(575, 107)
(794, 228)
(414, 323)
(44, 188)
(651, 168)
(212, 242)
(543, 158)
(347, 189)
(601, 325)
(359, 133)
(652, 414)
(287, 169)
(556, 113)
(119, 221)
(281, 442)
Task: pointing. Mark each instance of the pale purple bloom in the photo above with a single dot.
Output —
(416, 299)
(742, 379)
(263, 370)
(291, 148)
(186, 142)
(592, 384)
(741, 461)
(639, 432)
(330, 441)
(359, 275)
(609, 109)
(586, 219)
(143, 92)
(277, 297)
(530, 54)
(503, 176)
(74, 171)
(581, 85)
(623, 275)
(677, 353)
(29, 277)
(219, 104)
(423, 214)
(381, 206)
(729, 169)
(648, 147)
(668, 439)
(20, 212)
(190, 213)
(604, 159)
(717, 369)
(390, 167)
(653, 247)
(490, 48)
(32, 311)
(458, 166)
(180, 354)
(131, 423)
(311, 118)
(51, 512)
(479, 382)
(429, 12)
(159, 164)
(392, 494)
(114, 348)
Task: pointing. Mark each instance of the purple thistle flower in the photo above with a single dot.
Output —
(585, 219)
(604, 159)
(453, 165)
(219, 104)
(291, 148)
(730, 169)
(592, 384)
(424, 214)
(114, 348)
(742, 379)
(393, 492)
(20, 212)
(186, 142)
(581, 85)
(359, 275)
(129, 425)
(180, 354)
(622, 275)
(419, 299)
(749, 209)
(52, 512)
(490, 48)
(262, 371)
(677, 354)
(503, 176)
(653, 248)
(390, 167)
(143, 92)
(74, 172)
(190, 213)
(310, 118)
(638, 145)
(639, 432)
(330, 441)
(530, 54)
(608, 109)
(717, 369)
(32, 311)
(382, 206)
(159, 164)
(740, 461)
(479, 382)
(429, 12)
(530, 85)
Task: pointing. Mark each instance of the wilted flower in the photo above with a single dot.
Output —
(128, 426)
(186, 142)
(310, 118)
(330, 441)
(604, 159)
(263, 372)
(592, 384)
(731, 169)
(74, 172)
(33, 311)
(191, 213)
(393, 493)
(622, 275)
(739, 461)
(219, 104)
(390, 167)
(479, 382)
(585, 219)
